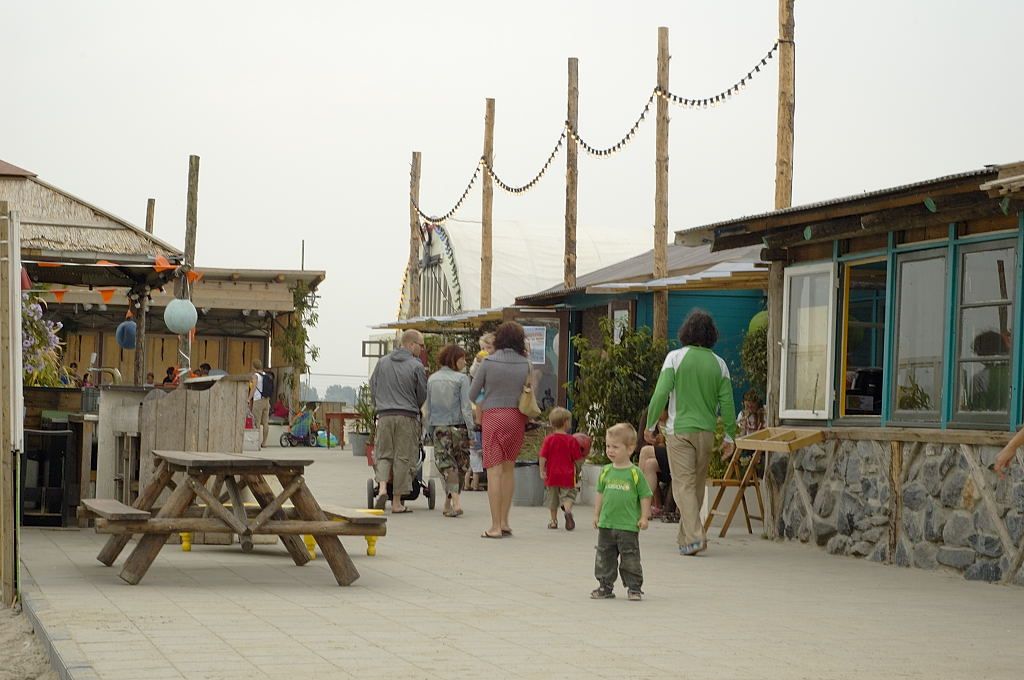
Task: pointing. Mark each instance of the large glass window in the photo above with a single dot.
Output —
(984, 332)
(807, 340)
(864, 285)
(920, 336)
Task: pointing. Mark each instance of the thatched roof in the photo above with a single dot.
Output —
(58, 225)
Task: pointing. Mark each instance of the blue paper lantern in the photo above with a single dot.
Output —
(125, 334)
(180, 316)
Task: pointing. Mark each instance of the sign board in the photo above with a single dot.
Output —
(536, 346)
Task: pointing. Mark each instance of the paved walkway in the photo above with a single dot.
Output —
(440, 602)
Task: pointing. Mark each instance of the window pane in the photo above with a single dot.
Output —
(985, 331)
(865, 338)
(807, 342)
(988, 275)
(920, 335)
(984, 386)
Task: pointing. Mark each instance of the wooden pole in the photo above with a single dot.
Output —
(143, 310)
(414, 237)
(191, 212)
(9, 386)
(571, 186)
(776, 269)
(661, 190)
(787, 107)
(486, 256)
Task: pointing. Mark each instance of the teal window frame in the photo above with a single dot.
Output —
(953, 245)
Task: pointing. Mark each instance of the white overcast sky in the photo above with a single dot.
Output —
(305, 114)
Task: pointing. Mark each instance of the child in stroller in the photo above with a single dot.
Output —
(301, 430)
(418, 486)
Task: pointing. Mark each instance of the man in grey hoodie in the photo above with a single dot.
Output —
(399, 388)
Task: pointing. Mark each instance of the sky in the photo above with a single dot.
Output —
(305, 115)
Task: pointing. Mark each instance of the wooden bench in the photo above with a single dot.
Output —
(109, 509)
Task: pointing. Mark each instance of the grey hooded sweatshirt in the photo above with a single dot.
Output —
(399, 385)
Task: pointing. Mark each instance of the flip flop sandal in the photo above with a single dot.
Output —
(552, 525)
(506, 532)
(487, 535)
(457, 513)
(401, 512)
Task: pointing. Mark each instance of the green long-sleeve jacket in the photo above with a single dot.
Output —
(695, 384)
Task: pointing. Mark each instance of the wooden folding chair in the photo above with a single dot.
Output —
(733, 479)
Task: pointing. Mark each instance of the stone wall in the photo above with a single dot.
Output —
(932, 506)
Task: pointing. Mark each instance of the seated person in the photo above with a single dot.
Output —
(653, 461)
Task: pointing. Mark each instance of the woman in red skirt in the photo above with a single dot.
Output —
(500, 378)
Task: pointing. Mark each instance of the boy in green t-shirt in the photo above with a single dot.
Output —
(623, 508)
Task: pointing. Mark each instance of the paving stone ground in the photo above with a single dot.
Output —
(439, 602)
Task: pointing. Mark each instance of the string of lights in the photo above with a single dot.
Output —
(570, 131)
(722, 96)
(533, 182)
(431, 219)
(617, 146)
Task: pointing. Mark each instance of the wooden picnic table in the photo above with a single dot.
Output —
(232, 471)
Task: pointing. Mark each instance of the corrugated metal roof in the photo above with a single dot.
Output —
(987, 170)
(680, 260)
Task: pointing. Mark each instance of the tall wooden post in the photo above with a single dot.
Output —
(486, 256)
(571, 187)
(11, 424)
(661, 190)
(414, 237)
(143, 310)
(776, 280)
(191, 212)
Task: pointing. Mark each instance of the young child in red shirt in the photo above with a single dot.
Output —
(560, 460)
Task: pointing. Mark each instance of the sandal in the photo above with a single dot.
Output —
(635, 595)
(400, 512)
(570, 523)
(487, 535)
(602, 593)
(552, 524)
(506, 532)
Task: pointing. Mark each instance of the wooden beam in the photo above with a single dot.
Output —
(213, 525)
(142, 311)
(787, 107)
(660, 298)
(414, 237)
(487, 209)
(183, 290)
(571, 187)
(10, 388)
(775, 321)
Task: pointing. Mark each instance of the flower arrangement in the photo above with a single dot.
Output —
(40, 346)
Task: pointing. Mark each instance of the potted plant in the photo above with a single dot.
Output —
(614, 383)
(529, 486)
(364, 432)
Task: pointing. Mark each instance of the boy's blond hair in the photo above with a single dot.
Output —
(624, 433)
(559, 417)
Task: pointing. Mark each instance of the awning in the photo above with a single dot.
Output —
(722, 276)
(464, 321)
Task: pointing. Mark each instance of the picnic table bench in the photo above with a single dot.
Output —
(179, 513)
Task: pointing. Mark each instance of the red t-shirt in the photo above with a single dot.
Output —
(561, 451)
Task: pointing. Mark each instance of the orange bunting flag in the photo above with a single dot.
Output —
(106, 293)
(59, 294)
(50, 264)
(162, 264)
(192, 275)
(105, 263)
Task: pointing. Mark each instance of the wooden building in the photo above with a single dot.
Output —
(896, 316)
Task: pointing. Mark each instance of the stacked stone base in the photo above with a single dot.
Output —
(936, 506)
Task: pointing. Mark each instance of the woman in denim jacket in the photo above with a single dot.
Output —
(449, 423)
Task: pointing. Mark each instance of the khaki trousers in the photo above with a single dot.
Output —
(397, 451)
(688, 461)
(261, 417)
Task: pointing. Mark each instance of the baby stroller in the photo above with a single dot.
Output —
(301, 432)
(418, 487)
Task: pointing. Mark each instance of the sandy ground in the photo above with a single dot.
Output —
(23, 657)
